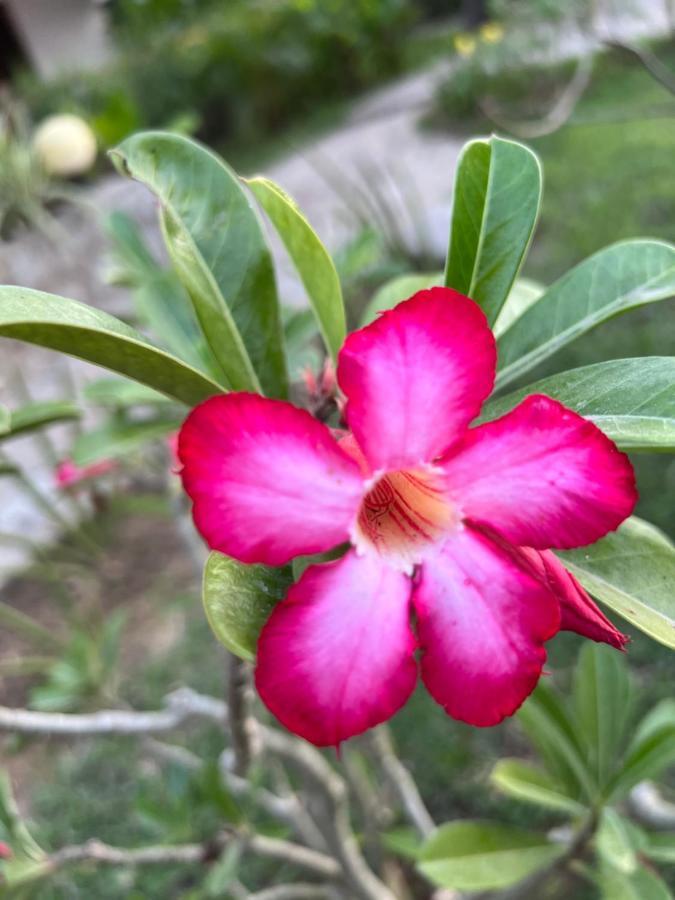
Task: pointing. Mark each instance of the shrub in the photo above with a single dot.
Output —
(244, 68)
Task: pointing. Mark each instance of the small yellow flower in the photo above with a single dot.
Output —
(492, 32)
(196, 36)
(465, 44)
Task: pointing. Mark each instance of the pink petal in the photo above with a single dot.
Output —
(347, 442)
(416, 377)
(543, 476)
(69, 474)
(482, 623)
(336, 657)
(578, 612)
(268, 481)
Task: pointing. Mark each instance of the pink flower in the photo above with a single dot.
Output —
(436, 513)
(172, 447)
(69, 474)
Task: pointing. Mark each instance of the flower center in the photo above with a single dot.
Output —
(403, 514)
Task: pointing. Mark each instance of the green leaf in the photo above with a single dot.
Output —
(643, 884)
(614, 841)
(22, 842)
(300, 335)
(621, 277)
(216, 244)
(38, 415)
(116, 439)
(397, 289)
(90, 334)
(120, 393)
(313, 262)
(550, 728)
(632, 571)
(239, 598)
(651, 751)
(523, 294)
(480, 856)
(531, 785)
(161, 302)
(661, 848)
(4, 419)
(602, 700)
(496, 203)
(403, 841)
(631, 400)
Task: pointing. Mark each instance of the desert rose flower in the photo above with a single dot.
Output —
(69, 474)
(436, 514)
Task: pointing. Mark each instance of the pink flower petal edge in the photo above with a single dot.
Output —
(482, 621)
(578, 611)
(267, 481)
(336, 656)
(416, 377)
(542, 476)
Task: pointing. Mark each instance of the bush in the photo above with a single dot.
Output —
(240, 69)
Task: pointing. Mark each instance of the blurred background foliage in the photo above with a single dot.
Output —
(235, 71)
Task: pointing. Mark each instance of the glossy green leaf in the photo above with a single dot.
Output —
(313, 262)
(218, 250)
(614, 280)
(119, 392)
(552, 731)
(161, 302)
(4, 419)
(117, 439)
(661, 848)
(602, 701)
(651, 750)
(239, 598)
(642, 884)
(632, 571)
(614, 841)
(524, 782)
(631, 400)
(496, 203)
(480, 856)
(397, 289)
(95, 336)
(300, 337)
(523, 294)
(38, 415)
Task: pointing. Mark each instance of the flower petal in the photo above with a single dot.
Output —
(336, 657)
(542, 476)
(482, 623)
(578, 612)
(268, 481)
(416, 377)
